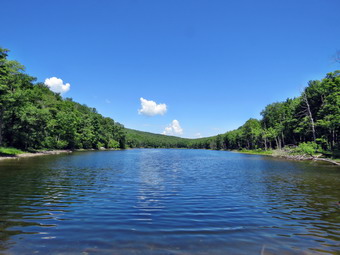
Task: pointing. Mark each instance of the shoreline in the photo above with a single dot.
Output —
(31, 154)
(51, 152)
(291, 157)
(271, 154)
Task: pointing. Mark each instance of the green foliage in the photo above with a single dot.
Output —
(312, 117)
(257, 152)
(10, 151)
(100, 145)
(32, 116)
(309, 148)
(113, 144)
(139, 139)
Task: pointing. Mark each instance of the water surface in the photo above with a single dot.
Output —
(160, 201)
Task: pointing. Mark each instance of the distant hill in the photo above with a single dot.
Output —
(140, 139)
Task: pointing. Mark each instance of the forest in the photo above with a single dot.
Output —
(309, 121)
(313, 118)
(32, 118)
(140, 139)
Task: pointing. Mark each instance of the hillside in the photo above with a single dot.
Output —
(140, 139)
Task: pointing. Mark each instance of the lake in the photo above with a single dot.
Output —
(168, 201)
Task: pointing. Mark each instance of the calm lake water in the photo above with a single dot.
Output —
(168, 201)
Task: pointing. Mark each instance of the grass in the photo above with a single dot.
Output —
(10, 151)
(257, 152)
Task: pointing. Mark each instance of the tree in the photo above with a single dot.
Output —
(252, 132)
(12, 81)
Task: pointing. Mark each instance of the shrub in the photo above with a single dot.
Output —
(113, 144)
(308, 148)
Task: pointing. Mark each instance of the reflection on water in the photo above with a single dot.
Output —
(150, 186)
(168, 202)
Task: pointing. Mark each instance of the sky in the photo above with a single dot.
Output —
(192, 68)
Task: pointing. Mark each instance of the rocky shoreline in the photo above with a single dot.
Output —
(304, 157)
(285, 155)
(288, 155)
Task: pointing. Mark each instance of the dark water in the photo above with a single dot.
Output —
(168, 202)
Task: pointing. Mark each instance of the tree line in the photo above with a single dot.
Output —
(313, 117)
(140, 139)
(33, 117)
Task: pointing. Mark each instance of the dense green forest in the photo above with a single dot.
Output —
(313, 118)
(138, 139)
(32, 117)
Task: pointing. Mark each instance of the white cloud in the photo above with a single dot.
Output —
(107, 101)
(151, 108)
(57, 85)
(173, 129)
(198, 135)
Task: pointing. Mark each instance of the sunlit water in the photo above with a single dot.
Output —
(159, 201)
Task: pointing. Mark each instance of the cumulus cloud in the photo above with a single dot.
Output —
(57, 85)
(151, 108)
(173, 129)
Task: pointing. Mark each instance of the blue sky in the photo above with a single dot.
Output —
(214, 64)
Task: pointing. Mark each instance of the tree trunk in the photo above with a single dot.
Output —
(310, 116)
(277, 143)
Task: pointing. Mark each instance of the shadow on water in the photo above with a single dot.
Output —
(168, 202)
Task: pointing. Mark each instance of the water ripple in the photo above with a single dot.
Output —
(168, 202)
